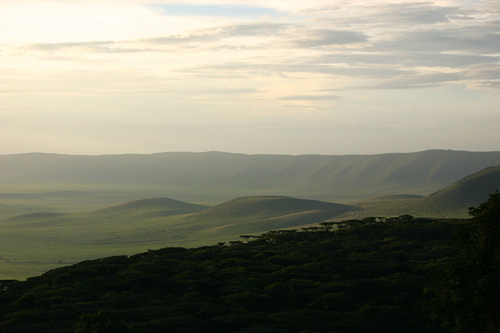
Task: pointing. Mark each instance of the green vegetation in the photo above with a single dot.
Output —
(469, 290)
(451, 201)
(257, 214)
(53, 214)
(17, 199)
(35, 242)
(467, 192)
(37, 235)
(370, 276)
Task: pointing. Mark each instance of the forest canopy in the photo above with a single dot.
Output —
(360, 275)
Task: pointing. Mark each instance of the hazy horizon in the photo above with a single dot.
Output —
(240, 153)
(251, 77)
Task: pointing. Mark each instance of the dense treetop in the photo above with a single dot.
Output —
(356, 276)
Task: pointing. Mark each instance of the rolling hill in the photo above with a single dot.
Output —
(257, 213)
(154, 207)
(35, 242)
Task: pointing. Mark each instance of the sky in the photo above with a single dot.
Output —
(257, 77)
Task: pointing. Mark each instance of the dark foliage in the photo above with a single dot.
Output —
(371, 276)
(469, 289)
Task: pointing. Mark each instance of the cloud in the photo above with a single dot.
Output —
(219, 32)
(408, 59)
(325, 37)
(202, 39)
(89, 47)
(490, 84)
(469, 40)
(227, 10)
(298, 65)
(309, 98)
(427, 80)
(423, 13)
(483, 73)
(58, 46)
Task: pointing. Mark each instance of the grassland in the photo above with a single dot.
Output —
(20, 198)
(35, 242)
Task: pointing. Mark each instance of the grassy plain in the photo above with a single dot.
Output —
(40, 230)
(396, 205)
(21, 198)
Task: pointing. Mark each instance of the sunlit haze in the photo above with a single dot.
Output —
(286, 77)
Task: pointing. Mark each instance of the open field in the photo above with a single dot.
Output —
(35, 242)
(21, 198)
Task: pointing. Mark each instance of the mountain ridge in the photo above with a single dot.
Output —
(323, 177)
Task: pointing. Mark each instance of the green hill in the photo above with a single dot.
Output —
(255, 214)
(35, 242)
(36, 215)
(152, 207)
(451, 201)
(467, 192)
(269, 206)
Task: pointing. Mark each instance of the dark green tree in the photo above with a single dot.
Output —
(102, 321)
(468, 293)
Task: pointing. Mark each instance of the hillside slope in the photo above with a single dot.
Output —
(467, 192)
(450, 201)
(154, 207)
(215, 173)
(263, 213)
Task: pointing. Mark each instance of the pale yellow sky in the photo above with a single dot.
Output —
(289, 77)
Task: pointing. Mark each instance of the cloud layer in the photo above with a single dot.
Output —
(226, 70)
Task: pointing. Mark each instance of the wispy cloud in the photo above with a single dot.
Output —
(476, 41)
(325, 37)
(427, 80)
(490, 84)
(423, 13)
(212, 61)
(58, 46)
(223, 10)
(219, 33)
(309, 98)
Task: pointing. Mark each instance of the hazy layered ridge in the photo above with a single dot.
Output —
(467, 192)
(315, 176)
(451, 201)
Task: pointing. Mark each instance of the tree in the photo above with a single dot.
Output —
(468, 293)
(102, 321)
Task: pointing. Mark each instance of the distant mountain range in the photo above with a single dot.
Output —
(325, 177)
